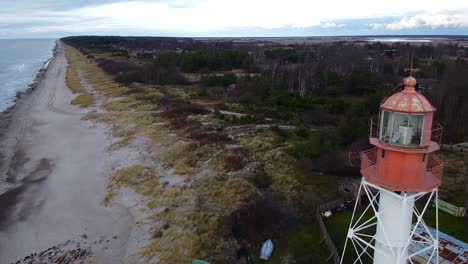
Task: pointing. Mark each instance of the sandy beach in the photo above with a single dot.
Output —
(57, 165)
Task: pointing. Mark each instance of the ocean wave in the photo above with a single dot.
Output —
(20, 64)
(20, 67)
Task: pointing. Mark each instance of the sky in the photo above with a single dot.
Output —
(231, 18)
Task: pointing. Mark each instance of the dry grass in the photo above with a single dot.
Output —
(125, 141)
(84, 98)
(231, 160)
(139, 177)
(197, 230)
(189, 221)
(184, 223)
(182, 158)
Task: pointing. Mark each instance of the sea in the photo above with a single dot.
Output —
(387, 39)
(20, 61)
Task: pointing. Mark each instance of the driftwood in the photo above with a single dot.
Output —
(462, 147)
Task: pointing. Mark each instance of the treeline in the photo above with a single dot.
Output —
(108, 43)
(288, 55)
(161, 72)
(214, 60)
(218, 80)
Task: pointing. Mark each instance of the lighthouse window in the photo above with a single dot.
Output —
(401, 129)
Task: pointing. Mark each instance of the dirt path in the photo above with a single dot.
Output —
(63, 163)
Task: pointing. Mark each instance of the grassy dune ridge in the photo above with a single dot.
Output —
(84, 98)
(193, 219)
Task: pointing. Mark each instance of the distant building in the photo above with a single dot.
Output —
(391, 53)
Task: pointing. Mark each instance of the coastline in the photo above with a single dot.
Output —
(6, 183)
(57, 165)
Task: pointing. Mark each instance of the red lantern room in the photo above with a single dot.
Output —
(404, 140)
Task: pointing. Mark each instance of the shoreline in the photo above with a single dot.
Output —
(58, 165)
(6, 118)
(35, 82)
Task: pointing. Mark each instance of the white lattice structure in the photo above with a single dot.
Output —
(383, 231)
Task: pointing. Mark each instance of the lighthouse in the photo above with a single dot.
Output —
(400, 179)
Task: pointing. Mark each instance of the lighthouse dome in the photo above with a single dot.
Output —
(408, 100)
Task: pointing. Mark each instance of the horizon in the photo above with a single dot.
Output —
(415, 36)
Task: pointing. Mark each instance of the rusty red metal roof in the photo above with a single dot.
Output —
(408, 100)
(451, 250)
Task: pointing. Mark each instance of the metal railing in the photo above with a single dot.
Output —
(374, 132)
(436, 133)
(374, 127)
(435, 166)
(368, 158)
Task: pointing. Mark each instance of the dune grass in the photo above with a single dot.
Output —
(139, 177)
(189, 220)
(84, 98)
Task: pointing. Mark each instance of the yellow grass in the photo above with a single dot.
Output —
(196, 213)
(84, 98)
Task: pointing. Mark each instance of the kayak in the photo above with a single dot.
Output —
(197, 261)
(267, 249)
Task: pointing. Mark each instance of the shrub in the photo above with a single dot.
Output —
(282, 135)
(210, 137)
(302, 132)
(307, 148)
(261, 219)
(261, 180)
(184, 110)
(216, 80)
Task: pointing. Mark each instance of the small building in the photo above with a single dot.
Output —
(451, 250)
(391, 53)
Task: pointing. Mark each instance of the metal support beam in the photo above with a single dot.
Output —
(392, 215)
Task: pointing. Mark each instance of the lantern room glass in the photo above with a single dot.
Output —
(401, 129)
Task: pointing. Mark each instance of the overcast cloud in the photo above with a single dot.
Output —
(56, 18)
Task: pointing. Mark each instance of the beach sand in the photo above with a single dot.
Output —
(59, 165)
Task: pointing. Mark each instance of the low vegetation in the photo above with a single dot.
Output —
(84, 98)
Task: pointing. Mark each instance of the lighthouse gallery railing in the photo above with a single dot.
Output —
(434, 164)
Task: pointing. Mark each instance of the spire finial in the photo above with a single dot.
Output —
(409, 83)
(411, 68)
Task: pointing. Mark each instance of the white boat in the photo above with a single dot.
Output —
(267, 249)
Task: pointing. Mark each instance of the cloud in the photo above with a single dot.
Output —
(226, 17)
(430, 20)
(331, 25)
(376, 26)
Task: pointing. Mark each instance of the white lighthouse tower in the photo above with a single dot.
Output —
(401, 175)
